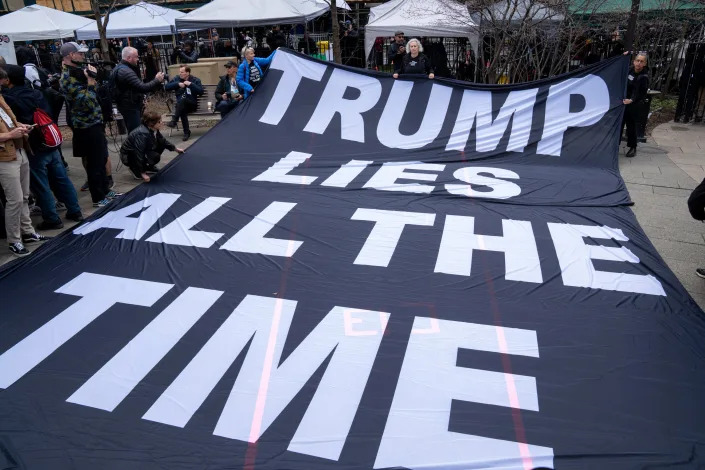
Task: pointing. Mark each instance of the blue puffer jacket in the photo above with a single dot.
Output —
(243, 73)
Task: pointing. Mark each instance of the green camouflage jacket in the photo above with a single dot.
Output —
(82, 100)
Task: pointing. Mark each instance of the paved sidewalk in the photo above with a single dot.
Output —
(124, 181)
(659, 180)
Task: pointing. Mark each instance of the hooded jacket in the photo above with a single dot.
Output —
(23, 101)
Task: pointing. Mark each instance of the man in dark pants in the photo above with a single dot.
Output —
(187, 88)
(227, 94)
(637, 86)
(131, 89)
(89, 140)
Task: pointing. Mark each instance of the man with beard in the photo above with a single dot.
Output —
(131, 89)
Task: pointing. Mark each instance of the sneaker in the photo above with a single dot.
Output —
(34, 238)
(60, 206)
(85, 186)
(77, 217)
(700, 272)
(113, 195)
(187, 136)
(102, 203)
(46, 225)
(35, 210)
(18, 249)
(631, 152)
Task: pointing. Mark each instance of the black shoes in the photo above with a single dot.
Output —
(187, 135)
(170, 124)
(46, 225)
(631, 152)
(77, 217)
(34, 238)
(700, 272)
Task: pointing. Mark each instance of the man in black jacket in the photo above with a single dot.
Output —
(131, 89)
(187, 88)
(187, 55)
(637, 87)
(227, 94)
(143, 148)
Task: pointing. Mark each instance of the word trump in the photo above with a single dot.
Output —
(265, 385)
(475, 110)
(458, 241)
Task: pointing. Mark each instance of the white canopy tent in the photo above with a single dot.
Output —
(239, 13)
(36, 22)
(141, 19)
(418, 18)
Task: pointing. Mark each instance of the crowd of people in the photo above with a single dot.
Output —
(32, 166)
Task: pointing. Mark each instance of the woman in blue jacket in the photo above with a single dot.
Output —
(250, 73)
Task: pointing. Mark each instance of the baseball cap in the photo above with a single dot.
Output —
(70, 47)
(230, 63)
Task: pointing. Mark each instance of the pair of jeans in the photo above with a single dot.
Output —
(183, 107)
(48, 174)
(132, 117)
(225, 106)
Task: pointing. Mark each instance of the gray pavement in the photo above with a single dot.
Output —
(660, 179)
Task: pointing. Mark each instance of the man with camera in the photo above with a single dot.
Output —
(187, 89)
(397, 50)
(227, 94)
(188, 54)
(131, 89)
(78, 84)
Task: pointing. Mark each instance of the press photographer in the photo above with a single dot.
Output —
(187, 54)
(130, 89)
(78, 84)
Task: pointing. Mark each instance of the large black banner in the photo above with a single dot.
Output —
(357, 272)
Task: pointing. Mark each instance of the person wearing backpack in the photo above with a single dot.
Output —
(129, 90)
(36, 76)
(46, 168)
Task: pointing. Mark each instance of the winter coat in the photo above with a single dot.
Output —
(130, 87)
(23, 101)
(243, 73)
(421, 64)
(195, 87)
(223, 86)
(8, 149)
(143, 148)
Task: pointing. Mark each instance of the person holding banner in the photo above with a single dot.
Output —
(227, 94)
(143, 148)
(414, 62)
(637, 86)
(250, 72)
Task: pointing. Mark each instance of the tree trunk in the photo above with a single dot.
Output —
(337, 57)
(631, 28)
(102, 26)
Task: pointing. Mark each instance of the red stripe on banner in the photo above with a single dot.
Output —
(255, 429)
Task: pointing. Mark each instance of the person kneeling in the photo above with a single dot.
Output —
(143, 148)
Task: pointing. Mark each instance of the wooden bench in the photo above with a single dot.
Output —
(202, 114)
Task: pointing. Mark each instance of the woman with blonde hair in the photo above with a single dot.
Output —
(414, 61)
(250, 72)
